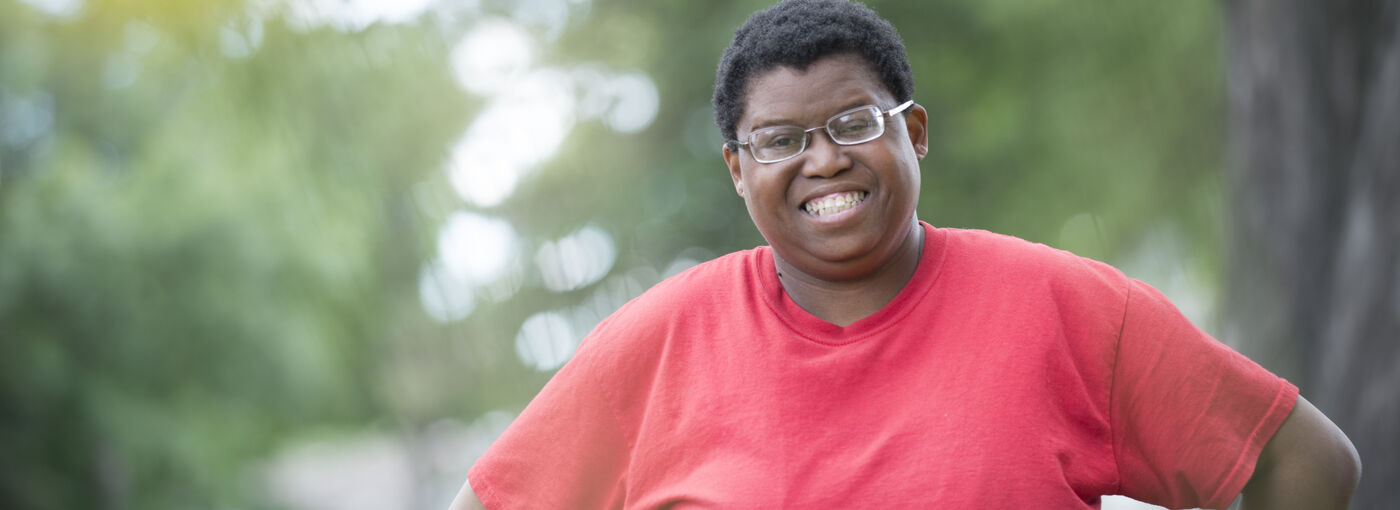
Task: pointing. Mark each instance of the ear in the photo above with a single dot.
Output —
(916, 123)
(731, 159)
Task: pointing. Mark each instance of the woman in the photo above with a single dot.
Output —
(865, 359)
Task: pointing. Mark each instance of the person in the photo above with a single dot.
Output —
(866, 359)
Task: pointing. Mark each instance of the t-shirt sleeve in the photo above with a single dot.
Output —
(565, 450)
(1189, 415)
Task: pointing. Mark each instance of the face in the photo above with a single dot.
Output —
(834, 212)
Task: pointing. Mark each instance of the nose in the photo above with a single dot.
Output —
(824, 157)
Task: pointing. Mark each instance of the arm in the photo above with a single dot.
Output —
(1309, 463)
(466, 499)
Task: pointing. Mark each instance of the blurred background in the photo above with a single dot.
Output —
(317, 254)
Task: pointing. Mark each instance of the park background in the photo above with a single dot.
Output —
(316, 254)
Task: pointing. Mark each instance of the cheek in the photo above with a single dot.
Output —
(904, 164)
(752, 192)
(765, 188)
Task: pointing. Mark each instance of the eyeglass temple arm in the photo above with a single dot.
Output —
(898, 109)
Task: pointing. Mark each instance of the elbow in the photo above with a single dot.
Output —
(1309, 463)
(1351, 466)
(1338, 463)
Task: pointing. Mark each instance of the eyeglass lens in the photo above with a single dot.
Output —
(848, 128)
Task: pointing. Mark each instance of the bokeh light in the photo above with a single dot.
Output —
(492, 57)
(57, 8)
(351, 238)
(25, 118)
(476, 248)
(576, 260)
(241, 37)
(635, 105)
(445, 297)
(473, 251)
(346, 15)
(546, 340)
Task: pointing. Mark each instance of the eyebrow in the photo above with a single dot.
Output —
(784, 121)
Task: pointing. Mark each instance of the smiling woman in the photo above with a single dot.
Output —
(866, 359)
(842, 264)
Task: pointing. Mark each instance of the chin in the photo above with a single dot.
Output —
(833, 263)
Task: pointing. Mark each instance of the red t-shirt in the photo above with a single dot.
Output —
(1006, 374)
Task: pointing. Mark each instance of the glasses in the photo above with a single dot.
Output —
(851, 127)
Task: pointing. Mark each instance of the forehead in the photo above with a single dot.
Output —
(828, 86)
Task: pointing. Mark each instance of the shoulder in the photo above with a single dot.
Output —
(1002, 269)
(702, 291)
(1018, 260)
(716, 280)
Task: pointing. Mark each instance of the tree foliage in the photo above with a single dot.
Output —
(214, 218)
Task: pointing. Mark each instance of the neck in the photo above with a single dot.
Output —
(845, 302)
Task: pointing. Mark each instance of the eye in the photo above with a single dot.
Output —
(779, 139)
(857, 126)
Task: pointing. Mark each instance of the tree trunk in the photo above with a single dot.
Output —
(1313, 290)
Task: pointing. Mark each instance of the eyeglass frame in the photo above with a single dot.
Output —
(880, 116)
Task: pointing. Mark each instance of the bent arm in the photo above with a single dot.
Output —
(1308, 464)
(466, 499)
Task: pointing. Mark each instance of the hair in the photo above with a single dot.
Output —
(796, 33)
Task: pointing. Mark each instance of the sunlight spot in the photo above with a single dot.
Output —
(446, 299)
(550, 16)
(607, 297)
(636, 103)
(25, 119)
(545, 341)
(240, 38)
(457, 12)
(492, 57)
(476, 248)
(517, 131)
(505, 285)
(67, 9)
(577, 260)
(626, 102)
(531, 120)
(481, 173)
(594, 96)
(349, 15)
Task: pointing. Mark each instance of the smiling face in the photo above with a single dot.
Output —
(835, 212)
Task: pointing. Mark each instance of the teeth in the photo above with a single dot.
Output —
(832, 204)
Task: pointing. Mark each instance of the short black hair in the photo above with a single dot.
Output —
(796, 33)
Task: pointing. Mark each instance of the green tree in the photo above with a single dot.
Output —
(217, 218)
